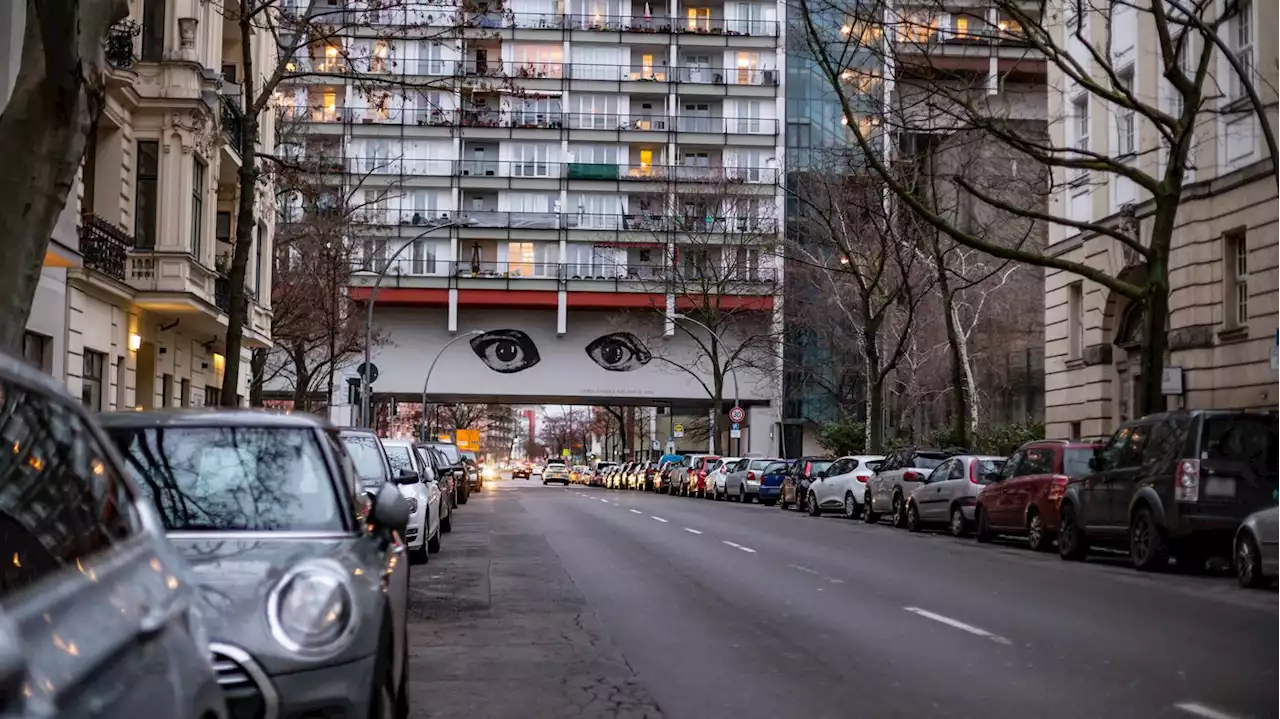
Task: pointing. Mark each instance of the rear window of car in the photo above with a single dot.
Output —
(252, 479)
(367, 455)
(399, 458)
(758, 464)
(776, 468)
(1075, 461)
(928, 461)
(813, 467)
(1250, 439)
(449, 451)
(988, 466)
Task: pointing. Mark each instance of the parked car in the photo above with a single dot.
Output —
(665, 469)
(695, 478)
(601, 470)
(716, 474)
(649, 476)
(898, 476)
(950, 492)
(298, 547)
(1022, 498)
(522, 470)
(795, 486)
(474, 476)
(556, 471)
(743, 482)
(1173, 484)
(771, 481)
(1255, 548)
(842, 485)
(457, 468)
(425, 513)
(85, 518)
(434, 462)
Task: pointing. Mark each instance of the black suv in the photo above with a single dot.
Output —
(1173, 484)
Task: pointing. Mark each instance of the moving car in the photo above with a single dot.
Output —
(423, 533)
(842, 486)
(1173, 485)
(522, 470)
(898, 476)
(771, 481)
(795, 486)
(301, 551)
(950, 493)
(1022, 499)
(456, 467)
(104, 525)
(1255, 548)
(555, 471)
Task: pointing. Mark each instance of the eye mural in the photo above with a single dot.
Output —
(619, 352)
(506, 351)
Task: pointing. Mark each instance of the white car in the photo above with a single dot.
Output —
(423, 533)
(717, 475)
(843, 486)
(555, 471)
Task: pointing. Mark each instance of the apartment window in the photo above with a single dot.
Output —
(378, 61)
(1075, 430)
(424, 258)
(222, 226)
(120, 383)
(197, 205)
(531, 161)
(962, 27)
(1236, 274)
(698, 19)
(1126, 132)
(212, 396)
(166, 386)
(91, 379)
(748, 63)
(1075, 320)
(1080, 121)
(184, 400)
(153, 30)
(430, 58)
(257, 259)
(146, 200)
(1242, 47)
(35, 350)
(749, 121)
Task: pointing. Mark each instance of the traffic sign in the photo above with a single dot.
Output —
(678, 430)
(564, 453)
(737, 414)
(735, 431)
(372, 369)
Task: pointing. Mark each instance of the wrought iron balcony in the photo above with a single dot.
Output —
(231, 122)
(105, 247)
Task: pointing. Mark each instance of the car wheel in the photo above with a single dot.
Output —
(1037, 540)
(850, 506)
(812, 505)
(385, 702)
(768, 502)
(433, 544)
(959, 527)
(868, 514)
(913, 517)
(463, 498)
(1072, 541)
(1248, 561)
(742, 494)
(446, 524)
(899, 517)
(783, 502)
(419, 555)
(983, 533)
(1147, 546)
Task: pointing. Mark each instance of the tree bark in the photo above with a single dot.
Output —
(57, 96)
(1156, 311)
(257, 372)
(875, 388)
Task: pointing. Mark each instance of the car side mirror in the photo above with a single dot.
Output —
(390, 509)
(407, 476)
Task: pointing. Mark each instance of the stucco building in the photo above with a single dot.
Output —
(1223, 264)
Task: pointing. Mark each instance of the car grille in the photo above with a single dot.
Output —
(410, 534)
(246, 698)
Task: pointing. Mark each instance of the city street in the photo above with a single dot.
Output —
(582, 602)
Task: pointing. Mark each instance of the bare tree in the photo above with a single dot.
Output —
(59, 91)
(1075, 39)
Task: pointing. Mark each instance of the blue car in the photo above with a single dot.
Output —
(771, 481)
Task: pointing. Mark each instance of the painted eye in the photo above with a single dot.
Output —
(506, 351)
(619, 352)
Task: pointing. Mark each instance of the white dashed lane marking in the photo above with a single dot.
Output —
(735, 545)
(957, 624)
(692, 531)
(636, 511)
(660, 519)
(1201, 710)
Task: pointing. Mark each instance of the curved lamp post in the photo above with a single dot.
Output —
(430, 368)
(365, 418)
(733, 369)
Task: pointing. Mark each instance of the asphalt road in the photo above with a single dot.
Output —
(582, 602)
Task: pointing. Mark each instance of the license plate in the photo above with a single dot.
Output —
(1220, 487)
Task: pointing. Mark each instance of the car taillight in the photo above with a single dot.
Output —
(751, 476)
(973, 472)
(910, 476)
(861, 478)
(1058, 488)
(1186, 485)
(808, 469)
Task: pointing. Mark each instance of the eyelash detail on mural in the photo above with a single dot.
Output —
(619, 352)
(506, 351)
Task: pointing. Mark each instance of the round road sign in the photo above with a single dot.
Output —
(737, 414)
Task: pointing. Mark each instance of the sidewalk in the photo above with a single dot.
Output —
(498, 630)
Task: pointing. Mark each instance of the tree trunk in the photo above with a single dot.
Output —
(960, 435)
(57, 96)
(245, 218)
(257, 371)
(1156, 312)
(875, 389)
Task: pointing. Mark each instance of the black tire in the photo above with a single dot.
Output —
(463, 498)
(913, 517)
(850, 506)
(983, 532)
(784, 503)
(768, 502)
(419, 556)
(387, 702)
(812, 505)
(433, 544)
(1248, 562)
(1073, 543)
(1148, 548)
(446, 524)
(958, 526)
(1037, 538)
(868, 514)
(898, 519)
(742, 494)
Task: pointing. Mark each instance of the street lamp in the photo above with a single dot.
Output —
(365, 419)
(732, 365)
(472, 333)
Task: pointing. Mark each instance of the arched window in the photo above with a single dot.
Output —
(1132, 321)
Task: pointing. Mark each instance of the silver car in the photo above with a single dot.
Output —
(743, 481)
(426, 509)
(897, 477)
(99, 615)
(1255, 548)
(302, 564)
(950, 492)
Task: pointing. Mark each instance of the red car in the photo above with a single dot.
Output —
(1023, 498)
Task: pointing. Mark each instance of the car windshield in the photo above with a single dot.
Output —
(232, 478)
(367, 455)
(1075, 462)
(399, 457)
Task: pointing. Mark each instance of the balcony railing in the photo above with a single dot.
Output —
(530, 119)
(650, 222)
(222, 293)
(640, 275)
(605, 222)
(232, 118)
(105, 247)
(600, 22)
(512, 168)
(704, 75)
(672, 173)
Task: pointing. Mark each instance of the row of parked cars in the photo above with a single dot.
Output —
(1184, 486)
(211, 563)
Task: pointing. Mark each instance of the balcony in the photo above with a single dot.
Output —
(105, 247)
(431, 268)
(705, 75)
(672, 173)
(232, 117)
(636, 22)
(661, 224)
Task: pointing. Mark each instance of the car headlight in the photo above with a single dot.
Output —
(310, 611)
(413, 504)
